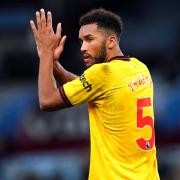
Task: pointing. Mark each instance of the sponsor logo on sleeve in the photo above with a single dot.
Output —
(85, 83)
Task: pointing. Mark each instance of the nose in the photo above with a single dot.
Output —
(83, 46)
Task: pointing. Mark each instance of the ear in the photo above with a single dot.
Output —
(111, 42)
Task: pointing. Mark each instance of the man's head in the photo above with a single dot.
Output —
(99, 34)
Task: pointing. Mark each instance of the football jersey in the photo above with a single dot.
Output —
(119, 94)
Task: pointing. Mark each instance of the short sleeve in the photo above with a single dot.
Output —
(90, 86)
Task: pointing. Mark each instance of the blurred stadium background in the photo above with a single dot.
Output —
(37, 145)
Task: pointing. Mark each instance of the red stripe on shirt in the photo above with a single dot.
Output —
(64, 97)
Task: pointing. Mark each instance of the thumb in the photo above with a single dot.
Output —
(60, 48)
(61, 44)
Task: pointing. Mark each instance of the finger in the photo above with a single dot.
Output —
(49, 21)
(58, 30)
(62, 42)
(60, 48)
(43, 18)
(38, 20)
(33, 27)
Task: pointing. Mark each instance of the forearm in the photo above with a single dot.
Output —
(62, 75)
(46, 82)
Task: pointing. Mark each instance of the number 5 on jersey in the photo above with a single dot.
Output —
(145, 121)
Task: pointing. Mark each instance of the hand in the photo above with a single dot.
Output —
(48, 42)
(58, 51)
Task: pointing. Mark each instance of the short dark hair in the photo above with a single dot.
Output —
(104, 19)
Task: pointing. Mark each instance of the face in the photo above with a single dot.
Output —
(93, 44)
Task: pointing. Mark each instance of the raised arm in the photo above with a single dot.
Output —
(47, 41)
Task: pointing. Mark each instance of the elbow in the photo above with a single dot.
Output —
(50, 104)
(45, 105)
(50, 101)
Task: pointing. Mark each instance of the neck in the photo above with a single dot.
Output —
(114, 53)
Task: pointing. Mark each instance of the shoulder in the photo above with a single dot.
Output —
(138, 62)
(99, 69)
(97, 74)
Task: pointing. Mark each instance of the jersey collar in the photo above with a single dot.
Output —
(122, 58)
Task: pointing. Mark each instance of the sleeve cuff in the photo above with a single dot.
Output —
(64, 97)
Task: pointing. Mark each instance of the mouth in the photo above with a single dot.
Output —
(86, 58)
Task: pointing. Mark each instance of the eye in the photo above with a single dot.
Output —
(80, 41)
(89, 39)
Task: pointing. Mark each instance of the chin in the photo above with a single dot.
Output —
(88, 65)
